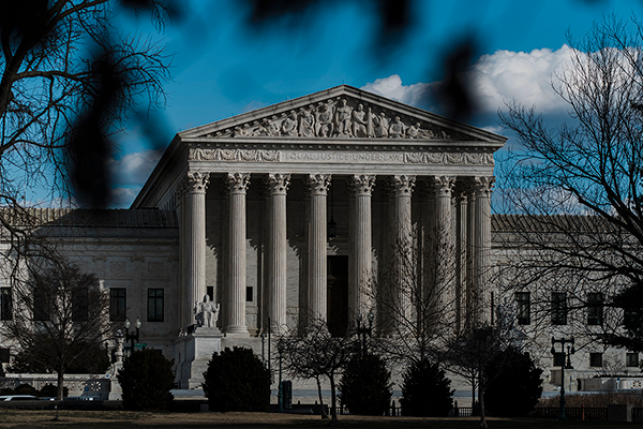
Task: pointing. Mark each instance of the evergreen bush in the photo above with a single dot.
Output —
(146, 380)
(365, 385)
(426, 391)
(514, 385)
(236, 380)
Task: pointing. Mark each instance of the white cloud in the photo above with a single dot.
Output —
(498, 78)
(134, 168)
(123, 197)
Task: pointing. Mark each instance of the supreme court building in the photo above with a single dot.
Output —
(298, 211)
(290, 211)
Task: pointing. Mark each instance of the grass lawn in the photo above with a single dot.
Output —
(125, 419)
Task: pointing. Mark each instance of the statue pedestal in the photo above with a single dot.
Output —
(192, 354)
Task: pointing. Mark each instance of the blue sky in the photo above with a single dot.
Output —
(221, 67)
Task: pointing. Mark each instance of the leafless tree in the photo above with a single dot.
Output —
(318, 354)
(575, 192)
(67, 80)
(59, 314)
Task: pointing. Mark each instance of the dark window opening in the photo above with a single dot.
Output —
(596, 360)
(210, 292)
(594, 309)
(155, 299)
(117, 304)
(249, 294)
(524, 308)
(80, 305)
(6, 304)
(558, 308)
(632, 360)
(40, 305)
(559, 359)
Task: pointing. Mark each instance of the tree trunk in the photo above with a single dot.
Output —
(61, 376)
(483, 416)
(333, 407)
(321, 399)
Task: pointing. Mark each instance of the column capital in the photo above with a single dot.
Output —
(484, 184)
(361, 183)
(278, 183)
(402, 184)
(318, 183)
(237, 183)
(444, 185)
(196, 182)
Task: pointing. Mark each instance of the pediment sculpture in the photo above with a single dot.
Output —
(338, 118)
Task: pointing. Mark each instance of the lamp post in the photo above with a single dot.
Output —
(280, 394)
(565, 364)
(132, 338)
(363, 331)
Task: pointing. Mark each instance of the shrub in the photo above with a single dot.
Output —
(365, 385)
(426, 391)
(236, 380)
(146, 380)
(513, 372)
(50, 391)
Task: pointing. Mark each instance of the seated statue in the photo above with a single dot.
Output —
(206, 312)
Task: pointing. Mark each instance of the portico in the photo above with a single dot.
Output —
(255, 194)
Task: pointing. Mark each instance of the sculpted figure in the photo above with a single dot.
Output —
(343, 119)
(324, 120)
(360, 122)
(306, 124)
(397, 129)
(289, 125)
(206, 312)
(381, 125)
(262, 129)
(413, 131)
(274, 128)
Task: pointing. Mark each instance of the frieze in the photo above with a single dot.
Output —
(340, 118)
(287, 156)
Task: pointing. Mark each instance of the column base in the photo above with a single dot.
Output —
(236, 331)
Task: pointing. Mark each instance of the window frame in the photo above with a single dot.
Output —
(114, 304)
(6, 303)
(559, 308)
(595, 308)
(596, 360)
(632, 360)
(523, 304)
(154, 302)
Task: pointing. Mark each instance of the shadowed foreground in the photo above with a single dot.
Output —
(124, 419)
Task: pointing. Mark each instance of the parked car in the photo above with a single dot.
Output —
(18, 398)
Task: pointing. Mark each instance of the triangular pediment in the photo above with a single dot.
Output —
(343, 112)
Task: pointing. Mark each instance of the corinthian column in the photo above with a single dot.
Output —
(402, 278)
(318, 185)
(193, 237)
(483, 246)
(361, 242)
(237, 186)
(277, 186)
(444, 264)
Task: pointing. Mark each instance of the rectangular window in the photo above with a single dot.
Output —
(632, 360)
(210, 292)
(596, 360)
(40, 305)
(80, 305)
(630, 317)
(559, 359)
(6, 304)
(155, 305)
(594, 309)
(117, 304)
(524, 308)
(249, 293)
(5, 355)
(559, 308)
